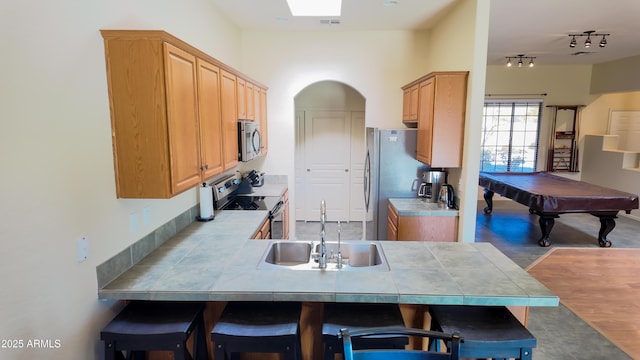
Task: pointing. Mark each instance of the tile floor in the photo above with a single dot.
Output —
(561, 334)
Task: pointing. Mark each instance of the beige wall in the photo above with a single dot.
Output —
(616, 76)
(57, 180)
(469, 53)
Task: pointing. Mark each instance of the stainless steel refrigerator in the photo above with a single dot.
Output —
(390, 171)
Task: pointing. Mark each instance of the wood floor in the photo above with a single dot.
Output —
(602, 286)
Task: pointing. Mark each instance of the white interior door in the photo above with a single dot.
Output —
(327, 148)
(300, 168)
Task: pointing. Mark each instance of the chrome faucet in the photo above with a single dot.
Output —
(322, 261)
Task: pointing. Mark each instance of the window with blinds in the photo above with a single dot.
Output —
(510, 130)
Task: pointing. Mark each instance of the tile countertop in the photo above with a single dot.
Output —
(196, 265)
(419, 207)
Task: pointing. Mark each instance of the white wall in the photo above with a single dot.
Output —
(57, 180)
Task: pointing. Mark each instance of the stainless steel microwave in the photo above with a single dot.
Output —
(249, 140)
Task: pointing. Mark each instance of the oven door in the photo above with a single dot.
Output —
(277, 229)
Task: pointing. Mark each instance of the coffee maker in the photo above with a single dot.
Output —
(429, 188)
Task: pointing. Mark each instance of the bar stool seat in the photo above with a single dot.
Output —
(488, 331)
(155, 325)
(271, 327)
(338, 316)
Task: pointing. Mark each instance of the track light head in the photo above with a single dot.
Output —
(573, 42)
(603, 42)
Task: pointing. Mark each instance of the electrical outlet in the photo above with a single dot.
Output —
(82, 249)
(133, 223)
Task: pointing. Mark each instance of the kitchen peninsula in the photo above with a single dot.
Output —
(195, 266)
(205, 262)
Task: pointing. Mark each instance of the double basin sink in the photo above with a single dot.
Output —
(357, 255)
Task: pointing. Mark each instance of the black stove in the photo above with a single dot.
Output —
(235, 193)
(250, 202)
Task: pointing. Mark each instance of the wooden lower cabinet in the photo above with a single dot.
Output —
(264, 232)
(421, 228)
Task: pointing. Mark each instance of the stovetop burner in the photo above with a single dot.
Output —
(248, 202)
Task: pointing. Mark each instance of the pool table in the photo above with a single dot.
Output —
(550, 195)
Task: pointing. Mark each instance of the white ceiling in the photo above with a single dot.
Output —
(537, 28)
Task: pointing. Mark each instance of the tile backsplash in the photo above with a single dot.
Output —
(119, 263)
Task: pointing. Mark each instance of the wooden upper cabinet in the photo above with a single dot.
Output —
(173, 113)
(410, 104)
(211, 138)
(229, 118)
(182, 118)
(442, 102)
(250, 101)
(241, 100)
(425, 122)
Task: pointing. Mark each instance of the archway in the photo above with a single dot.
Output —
(330, 148)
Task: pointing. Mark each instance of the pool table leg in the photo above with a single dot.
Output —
(546, 222)
(607, 223)
(488, 197)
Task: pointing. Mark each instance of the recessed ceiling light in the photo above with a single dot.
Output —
(390, 3)
(315, 7)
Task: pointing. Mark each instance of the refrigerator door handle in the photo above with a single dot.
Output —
(367, 181)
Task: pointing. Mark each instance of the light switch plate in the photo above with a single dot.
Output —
(133, 223)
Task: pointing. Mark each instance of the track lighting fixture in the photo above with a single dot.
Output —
(587, 42)
(520, 62)
(573, 42)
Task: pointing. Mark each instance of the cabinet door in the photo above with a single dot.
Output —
(250, 101)
(425, 120)
(229, 119)
(392, 231)
(392, 223)
(210, 118)
(428, 228)
(184, 133)
(241, 98)
(410, 104)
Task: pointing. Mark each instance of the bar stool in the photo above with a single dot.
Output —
(338, 316)
(488, 331)
(271, 327)
(155, 325)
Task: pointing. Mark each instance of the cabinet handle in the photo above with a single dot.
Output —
(308, 170)
(346, 170)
